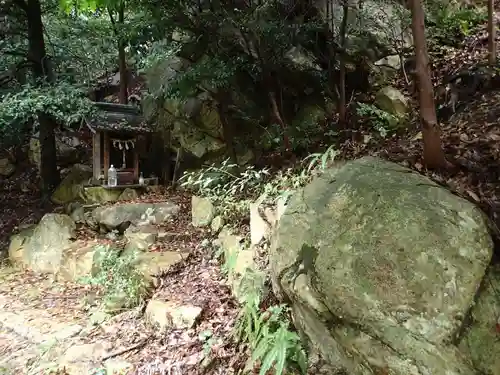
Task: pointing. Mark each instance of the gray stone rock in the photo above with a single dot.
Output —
(259, 228)
(100, 194)
(381, 265)
(202, 211)
(169, 314)
(217, 224)
(152, 264)
(128, 195)
(140, 238)
(378, 28)
(41, 248)
(392, 101)
(393, 62)
(84, 358)
(481, 340)
(6, 167)
(119, 215)
(76, 212)
(81, 259)
(243, 275)
(71, 187)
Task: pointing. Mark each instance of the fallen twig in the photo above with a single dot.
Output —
(116, 353)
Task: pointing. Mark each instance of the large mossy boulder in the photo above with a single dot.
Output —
(195, 124)
(481, 339)
(381, 266)
(71, 187)
(41, 247)
(379, 28)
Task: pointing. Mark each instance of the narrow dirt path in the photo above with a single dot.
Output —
(39, 321)
(46, 324)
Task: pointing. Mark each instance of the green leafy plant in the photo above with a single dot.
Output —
(228, 189)
(284, 183)
(118, 276)
(448, 23)
(209, 341)
(231, 192)
(272, 343)
(65, 103)
(266, 333)
(383, 122)
(321, 160)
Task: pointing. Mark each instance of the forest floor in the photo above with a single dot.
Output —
(44, 322)
(471, 140)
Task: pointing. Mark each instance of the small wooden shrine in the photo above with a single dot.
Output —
(119, 134)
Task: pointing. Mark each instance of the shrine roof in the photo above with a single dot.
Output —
(119, 118)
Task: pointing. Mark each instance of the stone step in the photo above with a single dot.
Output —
(15, 352)
(34, 341)
(35, 325)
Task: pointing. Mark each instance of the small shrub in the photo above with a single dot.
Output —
(272, 343)
(232, 192)
(321, 160)
(266, 333)
(449, 23)
(118, 276)
(209, 341)
(286, 182)
(225, 187)
(383, 122)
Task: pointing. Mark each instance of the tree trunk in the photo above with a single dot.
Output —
(227, 127)
(41, 71)
(433, 151)
(276, 116)
(342, 110)
(492, 32)
(122, 60)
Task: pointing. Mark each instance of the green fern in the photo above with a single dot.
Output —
(279, 350)
(273, 345)
(321, 160)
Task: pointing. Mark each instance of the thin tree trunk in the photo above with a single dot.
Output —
(433, 151)
(275, 109)
(41, 71)
(342, 110)
(492, 31)
(227, 127)
(276, 115)
(122, 58)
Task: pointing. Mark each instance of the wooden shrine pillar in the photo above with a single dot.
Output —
(96, 156)
(136, 160)
(106, 155)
